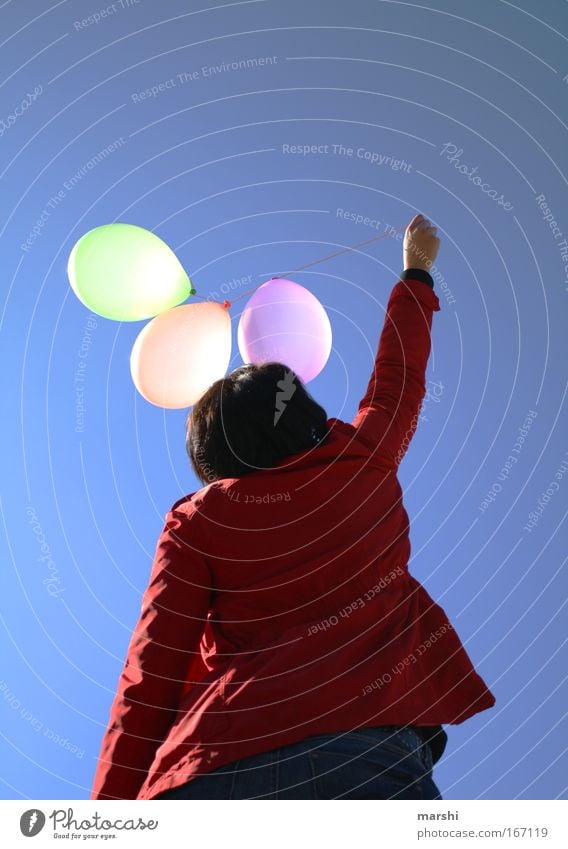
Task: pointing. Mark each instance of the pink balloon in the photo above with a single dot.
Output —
(284, 322)
(180, 353)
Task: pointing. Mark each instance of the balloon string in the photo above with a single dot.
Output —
(227, 303)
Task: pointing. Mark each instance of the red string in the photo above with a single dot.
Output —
(226, 304)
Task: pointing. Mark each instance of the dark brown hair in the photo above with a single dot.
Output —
(251, 419)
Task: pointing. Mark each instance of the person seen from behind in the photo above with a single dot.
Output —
(284, 650)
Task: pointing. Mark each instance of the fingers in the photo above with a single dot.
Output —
(422, 224)
(426, 226)
(416, 221)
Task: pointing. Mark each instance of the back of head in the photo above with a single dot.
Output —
(252, 419)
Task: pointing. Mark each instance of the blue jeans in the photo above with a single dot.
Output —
(372, 763)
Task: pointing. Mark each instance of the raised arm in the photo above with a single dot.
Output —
(388, 413)
(172, 619)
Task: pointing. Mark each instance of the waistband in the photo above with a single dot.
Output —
(432, 736)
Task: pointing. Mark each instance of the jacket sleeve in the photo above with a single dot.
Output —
(387, 415)
(171, 622)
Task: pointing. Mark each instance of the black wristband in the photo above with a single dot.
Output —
(417, 274)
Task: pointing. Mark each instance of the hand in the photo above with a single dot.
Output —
(421, 244)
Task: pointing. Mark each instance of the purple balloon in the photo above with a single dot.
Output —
(283, 322)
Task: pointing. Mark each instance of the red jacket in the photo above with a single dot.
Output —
(280, 604)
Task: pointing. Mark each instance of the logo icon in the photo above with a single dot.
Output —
(32, 822)
(287, 388)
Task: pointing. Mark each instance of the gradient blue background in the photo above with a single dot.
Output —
(202, 165)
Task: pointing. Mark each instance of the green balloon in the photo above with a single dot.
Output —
(127, 273)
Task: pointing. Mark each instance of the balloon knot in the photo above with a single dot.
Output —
(193, 291)
(226, 304)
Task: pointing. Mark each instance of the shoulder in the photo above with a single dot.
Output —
(337, 430)
(183, 504)
(190, 506)
(348, 441)
(341, 432)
